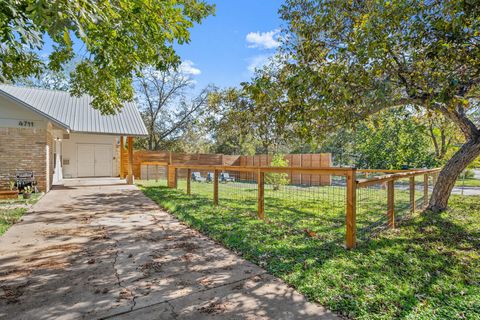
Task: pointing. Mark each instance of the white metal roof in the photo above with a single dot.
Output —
(76, 113)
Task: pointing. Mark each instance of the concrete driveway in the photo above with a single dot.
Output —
(99, 252)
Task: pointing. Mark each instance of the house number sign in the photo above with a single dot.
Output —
(23, 123)
(18, 123)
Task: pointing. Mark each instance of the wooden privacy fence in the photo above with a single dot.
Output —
(387, 192)
(142, 157)
(146, 163)
(304, 160)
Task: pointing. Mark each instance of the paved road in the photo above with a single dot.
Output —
(467, 191)
(477, 173)
(100, 252)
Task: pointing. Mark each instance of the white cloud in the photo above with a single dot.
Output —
(257, 62)
(187, 68)
(263, 40)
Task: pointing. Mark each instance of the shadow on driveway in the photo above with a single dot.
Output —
(108, 251)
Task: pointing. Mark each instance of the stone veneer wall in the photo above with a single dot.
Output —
(26, 149)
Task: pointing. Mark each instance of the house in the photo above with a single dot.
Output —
(59, 136)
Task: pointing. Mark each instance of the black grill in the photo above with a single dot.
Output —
(24, 179)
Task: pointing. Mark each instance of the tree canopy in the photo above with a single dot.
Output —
(167, 109)
(346, 60)
(118, 38)
(360, 57)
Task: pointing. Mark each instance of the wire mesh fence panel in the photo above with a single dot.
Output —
(402, 198)
(372, 206)
(306, 202)
(419, 192)
(317, 210)
(238, 191)
(182, 175)
(197, 183)
(153, 175)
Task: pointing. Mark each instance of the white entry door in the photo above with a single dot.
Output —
(94, 160)
(86, 160)
(103, 160)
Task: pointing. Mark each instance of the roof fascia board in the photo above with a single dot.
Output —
(110, 133)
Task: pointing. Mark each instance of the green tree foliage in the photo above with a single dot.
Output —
(241, 121)
(119, 38)
(346, 60)
(392, 140)
(229, 122)
(443, 135)
(277, 179)
(266, 100)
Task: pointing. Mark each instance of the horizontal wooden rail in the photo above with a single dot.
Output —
(319, 170)
(154, 163)
(386, 170)
(395, 176)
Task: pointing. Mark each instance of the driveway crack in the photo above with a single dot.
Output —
(125, 292)
(172, 307)
(169, 301)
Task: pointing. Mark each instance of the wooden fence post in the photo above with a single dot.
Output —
(122, 147)
(391, 203)
(130, 160)
(172, 177)
(261, 194)
(425, 190)
(189, 179)
(351, 215)
(412, 194)
(215, 188)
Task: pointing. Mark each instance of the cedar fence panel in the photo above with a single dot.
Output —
(263, 160)
(294, 160)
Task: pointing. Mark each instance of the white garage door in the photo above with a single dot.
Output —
(94, 160)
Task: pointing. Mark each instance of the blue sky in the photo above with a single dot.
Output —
(226, 47)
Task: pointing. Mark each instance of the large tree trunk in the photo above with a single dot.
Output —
(450, 172)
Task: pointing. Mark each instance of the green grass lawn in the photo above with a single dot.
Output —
(468, 183)
(12, 210)
(320, 209)
(428, 268)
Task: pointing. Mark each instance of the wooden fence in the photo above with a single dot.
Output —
(144, 157)
(294, 160)
(351, 186)
(321, 160)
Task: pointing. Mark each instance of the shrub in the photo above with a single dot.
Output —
(277, 179)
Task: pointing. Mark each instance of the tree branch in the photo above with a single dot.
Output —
(458, 116)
